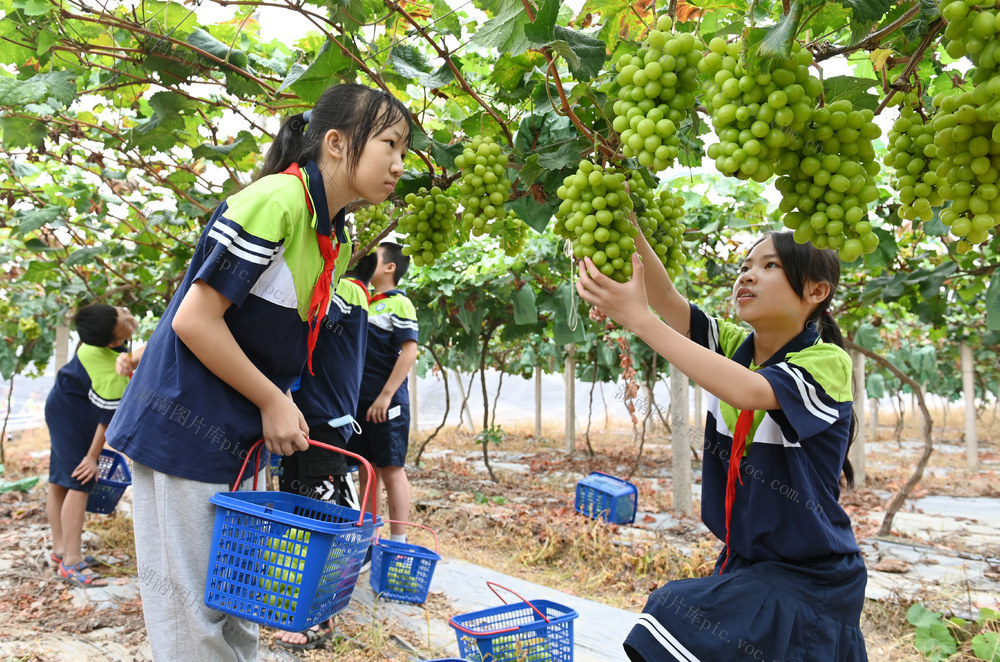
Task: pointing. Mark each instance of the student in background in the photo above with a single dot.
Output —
(78, 410)
(328, 399)
(384, 403)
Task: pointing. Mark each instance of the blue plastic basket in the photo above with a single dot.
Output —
(275, 463)
(402, 571)
(285, 560)
(606, 497)
(113, 476)
(538, 630)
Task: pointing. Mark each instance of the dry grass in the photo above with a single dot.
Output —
(525, 525)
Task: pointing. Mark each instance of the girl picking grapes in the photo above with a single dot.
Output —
(789, 584)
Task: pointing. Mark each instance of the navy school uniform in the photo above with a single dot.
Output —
(260, 251)
(793, 586)
(392, 321)
(86, 393)
(328, 398)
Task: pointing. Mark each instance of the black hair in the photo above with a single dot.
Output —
(805, 262)
(96, 324)
(364, 269)
(357, 111)
(394, 254)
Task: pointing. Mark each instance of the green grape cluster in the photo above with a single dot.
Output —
(512, 648)
(658, 87)
(370, 221)
(828, 180)
(29, 327)
(428, 225)
(756, 115)
(595, 215)
(483, 184)
(511, 232)
(285, 566)
(967, 126)
(913, 156)
(660, 222)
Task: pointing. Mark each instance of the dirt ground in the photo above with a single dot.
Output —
(524, 525)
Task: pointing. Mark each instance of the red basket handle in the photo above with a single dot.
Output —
(455, 625)
(437, 549)
(369, 487)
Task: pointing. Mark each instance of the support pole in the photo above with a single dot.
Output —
(680, 442)
(857, 454)
(969, 394)
(570, 375)
(538, 402)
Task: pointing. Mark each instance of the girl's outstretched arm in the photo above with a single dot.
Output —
(200, 325)
(626, 303)
(664, 298)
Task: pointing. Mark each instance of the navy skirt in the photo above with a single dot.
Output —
(769, 611)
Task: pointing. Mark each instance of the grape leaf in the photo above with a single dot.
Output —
(537, 216)
(58, 86)
(541, 30)
(525, 310)
(867, 10)
(993, 303)
(505, 31)
(776, 40)
(986, 646)
(852, 88)
(585, 55)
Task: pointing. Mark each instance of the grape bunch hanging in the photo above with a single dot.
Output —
(827, 180)
(370, 221)
(483, 185)
(658, 87)
(595, 215)
(660, 222)
(511, 232)
(756, 115)
(912, 155)
(428, 225)
(967, 126)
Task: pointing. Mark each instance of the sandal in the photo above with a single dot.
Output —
(74, 575)
(315, 638)
(87, 562)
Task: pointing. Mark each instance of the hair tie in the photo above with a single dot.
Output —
(306, 116)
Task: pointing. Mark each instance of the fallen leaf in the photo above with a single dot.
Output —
(892, 565)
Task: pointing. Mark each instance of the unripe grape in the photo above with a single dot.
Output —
(428, 225)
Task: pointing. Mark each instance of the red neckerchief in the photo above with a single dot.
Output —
(321, 293)
(743, 424)
(378, 297)
(359, 284)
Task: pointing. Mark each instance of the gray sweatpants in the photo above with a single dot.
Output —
(173, 523)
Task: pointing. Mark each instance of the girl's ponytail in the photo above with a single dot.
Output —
(288, 145)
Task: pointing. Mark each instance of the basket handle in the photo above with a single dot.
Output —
(257, 448)
(601, 473)
(437, 549)
(451, 621)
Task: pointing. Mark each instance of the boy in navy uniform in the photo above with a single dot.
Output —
(328, 399)
(77, 411)
(384, 402)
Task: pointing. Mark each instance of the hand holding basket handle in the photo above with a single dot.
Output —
(258, 446)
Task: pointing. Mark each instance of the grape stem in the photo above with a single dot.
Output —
(547, 52)
(911, 66)
(869, 42)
